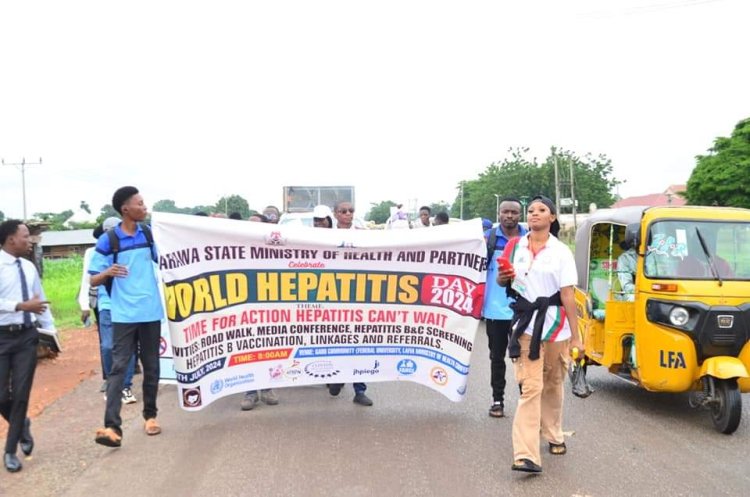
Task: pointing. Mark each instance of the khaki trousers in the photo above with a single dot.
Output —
(540, 406)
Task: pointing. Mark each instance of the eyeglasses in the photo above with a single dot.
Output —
(344, 211)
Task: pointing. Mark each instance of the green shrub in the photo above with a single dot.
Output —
(62, 280)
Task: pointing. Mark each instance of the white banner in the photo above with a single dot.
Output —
(254, 305)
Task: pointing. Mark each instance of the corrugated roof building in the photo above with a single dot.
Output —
(57, 244)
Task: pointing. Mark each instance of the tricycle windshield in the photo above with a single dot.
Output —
(698, 250)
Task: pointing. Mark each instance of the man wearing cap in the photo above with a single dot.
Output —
(272, 214)
(252, 397)
(322, 217)
(23, 307)
(98, 297)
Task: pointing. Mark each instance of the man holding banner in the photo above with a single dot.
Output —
(344, 212)
(257, 305)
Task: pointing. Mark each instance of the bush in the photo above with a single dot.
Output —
(62, 280)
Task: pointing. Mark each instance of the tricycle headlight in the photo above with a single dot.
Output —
(679, 316)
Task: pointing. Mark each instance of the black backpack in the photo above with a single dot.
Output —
(114, 244)
(491, 241)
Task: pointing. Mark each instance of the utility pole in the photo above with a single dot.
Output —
(573, 192)
(23, 165)
(462, 201)
(524, 202)
(557, 182)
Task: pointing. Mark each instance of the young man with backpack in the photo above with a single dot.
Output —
(96, 299)
(496, 310)
(124, 264)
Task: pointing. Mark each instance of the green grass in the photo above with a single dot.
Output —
(62, 280)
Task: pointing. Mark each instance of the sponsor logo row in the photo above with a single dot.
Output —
(191, 397)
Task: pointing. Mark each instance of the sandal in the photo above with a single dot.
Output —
(152, 427)
(108, 437)
(526, 466)
(557, 449)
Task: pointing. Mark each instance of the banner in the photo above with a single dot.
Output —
(253, 305)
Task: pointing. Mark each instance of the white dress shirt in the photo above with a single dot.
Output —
(11, 293)
(83, 293)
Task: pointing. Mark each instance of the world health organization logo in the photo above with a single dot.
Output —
(406, 367)
(217, 386)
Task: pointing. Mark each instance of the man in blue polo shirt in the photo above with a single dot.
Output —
(136, 309)
(496, 310)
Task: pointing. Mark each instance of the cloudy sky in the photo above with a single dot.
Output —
(400, 98)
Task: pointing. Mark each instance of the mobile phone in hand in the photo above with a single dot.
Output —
(504, 264)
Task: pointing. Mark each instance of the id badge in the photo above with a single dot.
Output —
(518, 286)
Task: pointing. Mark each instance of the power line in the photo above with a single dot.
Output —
(23, 165)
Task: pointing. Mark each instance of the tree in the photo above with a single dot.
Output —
(84, 225)
(106, 211)
(85, 207)
(379, 213)
(2, 216)
(522, 177)
(233, 203)
(208, 209)
(593, 177)
(170, 206)
(56, 220)
(436, 207)
(721, 176)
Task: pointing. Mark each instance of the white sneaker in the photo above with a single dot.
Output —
(128, 397)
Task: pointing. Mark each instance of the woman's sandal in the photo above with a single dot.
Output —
(557, 449)
(526, 466)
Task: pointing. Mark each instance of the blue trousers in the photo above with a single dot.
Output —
(106, 343)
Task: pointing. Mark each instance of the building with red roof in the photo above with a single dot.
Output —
(670, 196)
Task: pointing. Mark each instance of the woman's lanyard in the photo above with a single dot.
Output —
(534, 255)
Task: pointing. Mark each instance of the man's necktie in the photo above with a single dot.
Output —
(24, 293)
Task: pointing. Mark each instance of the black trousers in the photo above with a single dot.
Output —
(498, 334)
(127, 338)
(17, 366)
(358, 387)
(95, 311)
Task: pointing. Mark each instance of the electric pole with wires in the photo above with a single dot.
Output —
(23, 165)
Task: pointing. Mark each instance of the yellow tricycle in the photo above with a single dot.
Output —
(663, 300)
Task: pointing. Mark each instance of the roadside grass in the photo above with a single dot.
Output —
(62, 280)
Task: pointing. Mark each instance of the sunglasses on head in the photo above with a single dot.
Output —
(344, 211)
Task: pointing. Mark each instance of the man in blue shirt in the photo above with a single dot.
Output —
(136, 310)
(496, 310)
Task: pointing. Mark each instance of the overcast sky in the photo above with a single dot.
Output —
(400, 98)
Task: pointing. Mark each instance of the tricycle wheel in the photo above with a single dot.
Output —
(727, 406)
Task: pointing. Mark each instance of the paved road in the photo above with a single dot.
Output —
(413, 442)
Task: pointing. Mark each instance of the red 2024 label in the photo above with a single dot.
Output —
(453, 292)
